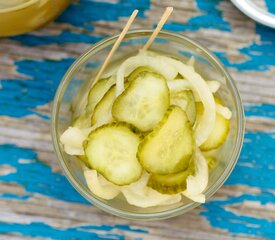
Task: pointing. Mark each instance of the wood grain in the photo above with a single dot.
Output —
(37, 202)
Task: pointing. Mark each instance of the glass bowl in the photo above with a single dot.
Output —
(23, 16)
(75, 85)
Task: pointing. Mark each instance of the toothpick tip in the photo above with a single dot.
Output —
(134, 13)
(162, 21)
(170, 9)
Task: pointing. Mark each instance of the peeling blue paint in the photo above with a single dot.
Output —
(35, 176)
(255, 168)
(211, 17)
(43, 116)
(37, 229)
(256, 164)
(117, 226)
(85, 12)
(262, 110)
(43, 78)
(219, 216)
(14, 196)
(270, 6)
(261, 56)
(62, 38)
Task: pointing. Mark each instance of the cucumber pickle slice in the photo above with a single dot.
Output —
(171, 183)
(103, 110)
(221, 129)
(170, 146)
(98, 91)
(218, 134)
(144, 102)
(133, 75)
(111, 150)
(94, 96)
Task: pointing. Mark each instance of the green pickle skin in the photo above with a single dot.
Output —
(153, 164)
(171, 183)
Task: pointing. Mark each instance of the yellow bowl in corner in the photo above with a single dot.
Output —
(21, 16)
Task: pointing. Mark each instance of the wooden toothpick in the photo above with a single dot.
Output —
(116, 45)
(162, 21)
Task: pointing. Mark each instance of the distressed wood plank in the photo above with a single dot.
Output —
(40, 209)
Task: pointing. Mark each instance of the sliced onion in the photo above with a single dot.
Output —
(183, 84)
(178, 85)
(110, 73)
(99, 185)
(148, 53)
(73, 138)
(138, 194)
(155, 63)
(213, 86)
(140, 184)
(197, 183)
(200, 198)
(200, 87)
(224, 111)
(172, 200)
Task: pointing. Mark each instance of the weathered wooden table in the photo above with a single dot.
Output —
(36, 200)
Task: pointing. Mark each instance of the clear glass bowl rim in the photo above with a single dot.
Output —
(105, 43)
